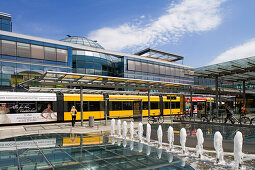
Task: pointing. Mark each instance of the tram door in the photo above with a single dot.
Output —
(137, 110)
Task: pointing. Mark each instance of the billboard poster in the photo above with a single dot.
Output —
(26, 112)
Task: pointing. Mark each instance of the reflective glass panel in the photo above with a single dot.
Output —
(138, 66)
(61, 55)
(37, 52)
(23, 50)
(162, 70)
(156, 67)
(144, 67)
(8, 47)
(131, 65)
(151, 68)
(50, 53)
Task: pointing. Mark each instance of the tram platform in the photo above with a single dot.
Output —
(66, 127)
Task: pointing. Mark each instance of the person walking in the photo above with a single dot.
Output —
(229, 114)
(73, 113)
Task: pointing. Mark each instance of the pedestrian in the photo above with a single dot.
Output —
(73, 113)
(244, 111)
(229, 114)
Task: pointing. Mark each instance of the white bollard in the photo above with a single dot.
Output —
(170, 138)
(218, 147)
(140, 132)
(200, 142)
(238, 146)
(112, 127)
(183, 136)
(159, 133)
(148, 133)
(131, 131)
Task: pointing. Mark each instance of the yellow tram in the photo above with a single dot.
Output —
(120, 106)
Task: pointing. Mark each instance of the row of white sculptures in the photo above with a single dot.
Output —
(238, 139)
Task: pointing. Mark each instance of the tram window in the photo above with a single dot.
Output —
(85, 106)
(116, 106)
(77, 105)
(145, 106)
(177, 105)
(154, 105)
(127, 105)
(96, 106)
(173, 105)
(166, 105)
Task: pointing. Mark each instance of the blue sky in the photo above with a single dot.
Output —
(203, 31)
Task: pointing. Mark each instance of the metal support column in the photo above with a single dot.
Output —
(170, 105)
(81, 95)
(149, 103)
(244, 97)
(191, 105)
(244, 100)
(210, 105)
(216, 96)
(106, 99)
(141, 110)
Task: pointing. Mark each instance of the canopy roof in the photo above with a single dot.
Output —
(231, 71)
(106, 82)
(159, 54)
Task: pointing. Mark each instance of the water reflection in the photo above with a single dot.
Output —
(148, 151)
(112, 140)
(183, 163)
(159, 153)
(131, 145)
(69, 151)
(170, 157)
(124, 143)
(118, 142)
(140, 147)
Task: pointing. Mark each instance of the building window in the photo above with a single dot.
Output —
(144, 67)
(156, 69)
(9, 48)
(173, 71)
(138, 66)
(50, 53)
(37, 52)
(150, 68)
(162, 70)
(23, 50)
(131, 65)
(168, 71)
(61, 55)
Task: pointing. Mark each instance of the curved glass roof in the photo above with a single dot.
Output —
(82, 41)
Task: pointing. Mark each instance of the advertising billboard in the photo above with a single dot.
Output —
(27, 107)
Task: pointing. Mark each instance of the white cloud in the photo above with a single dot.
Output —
(187, 16)
(242, 51)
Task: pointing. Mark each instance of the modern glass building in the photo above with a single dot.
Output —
(89, 62)
(5, 22)
(23, 57)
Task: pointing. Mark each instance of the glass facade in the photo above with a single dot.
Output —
(5, 22)
(87, 62)
(82, 41)
(22, 59)
(149, 70)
